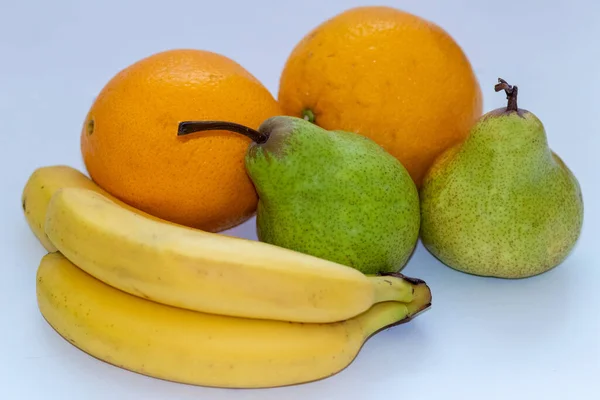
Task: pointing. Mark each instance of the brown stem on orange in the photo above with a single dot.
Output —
(308, 115)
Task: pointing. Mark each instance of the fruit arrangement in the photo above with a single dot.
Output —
(377, 139)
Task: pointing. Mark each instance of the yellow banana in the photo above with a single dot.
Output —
(43, 183)
(197, 348)
(209, 272)
(38, 191)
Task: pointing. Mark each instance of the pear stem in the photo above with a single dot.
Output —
(188, 127)
(511, 94)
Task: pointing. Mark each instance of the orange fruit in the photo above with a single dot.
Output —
(388, 75)
(131, 149)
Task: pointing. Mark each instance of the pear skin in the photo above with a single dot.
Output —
(502, 203)
(335, 195)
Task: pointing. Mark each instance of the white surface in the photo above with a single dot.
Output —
(483, 338)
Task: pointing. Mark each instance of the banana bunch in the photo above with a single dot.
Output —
(195, 307)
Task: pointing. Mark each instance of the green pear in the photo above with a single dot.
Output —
(331, 194)
(502, 203)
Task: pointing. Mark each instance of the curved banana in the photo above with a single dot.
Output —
(38, 191)
(209, 272)
(197, 348)
(41, 186)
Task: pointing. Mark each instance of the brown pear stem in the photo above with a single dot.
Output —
(188, 127)
(511, 94)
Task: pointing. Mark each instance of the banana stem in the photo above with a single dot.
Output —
(383, 315)
(392, 288)
(188, 127)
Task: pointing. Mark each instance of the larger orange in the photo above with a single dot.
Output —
(131, 149)
(389, 75)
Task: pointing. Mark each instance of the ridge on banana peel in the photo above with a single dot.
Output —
(203, 349)
(188, 268)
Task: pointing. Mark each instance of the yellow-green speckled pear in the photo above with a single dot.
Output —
(502, 203)
(332, 194)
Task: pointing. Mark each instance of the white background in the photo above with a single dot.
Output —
(537, 338)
